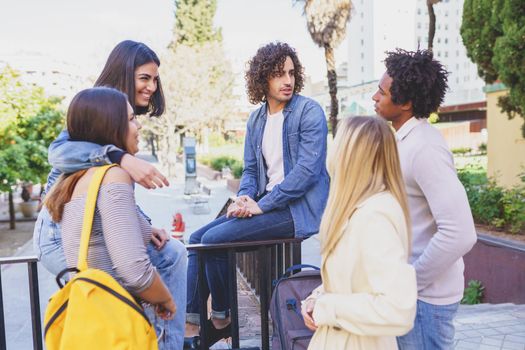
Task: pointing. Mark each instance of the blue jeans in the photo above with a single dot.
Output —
(433, 328)
(171, 263)
(271, 225)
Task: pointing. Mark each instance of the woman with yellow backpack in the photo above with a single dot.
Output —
(104, 238)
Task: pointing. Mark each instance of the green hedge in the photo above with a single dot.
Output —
(492, 204)
(219, 162)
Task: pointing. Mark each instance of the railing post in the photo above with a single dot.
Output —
(3, 344)
(296, 253)
(234, 311)
(263, 296)
(280, 259)
(35, 305)
(203, 300)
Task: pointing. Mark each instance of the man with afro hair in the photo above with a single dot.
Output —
(412, 87)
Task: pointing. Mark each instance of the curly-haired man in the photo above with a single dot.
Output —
(284, 185)
(443, 230)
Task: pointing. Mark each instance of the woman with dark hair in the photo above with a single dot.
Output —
(131, 59)
(132, 68)
(120, 233)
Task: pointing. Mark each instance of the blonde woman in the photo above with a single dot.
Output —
(368, 295)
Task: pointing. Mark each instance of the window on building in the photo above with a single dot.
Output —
(418, 11)
(439, 53)
(362, 15)
(439, 40)
(457, 53)
(446, 13)
(362, 42)
(362, 55)
(446, 53)
(418, 25)
(457, 80)
(446, 26)
(362, 69)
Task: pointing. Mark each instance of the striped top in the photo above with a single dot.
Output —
(118, 239)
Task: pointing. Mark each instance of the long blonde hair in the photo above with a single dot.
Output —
(363, 161)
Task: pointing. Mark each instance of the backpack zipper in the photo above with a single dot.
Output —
(55, 316)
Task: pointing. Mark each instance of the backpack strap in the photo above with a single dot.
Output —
(293, 268)
(89, 213)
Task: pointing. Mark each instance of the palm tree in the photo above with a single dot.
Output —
(431, 23)
(326, 22)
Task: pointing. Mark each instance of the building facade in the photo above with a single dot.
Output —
(377, 26)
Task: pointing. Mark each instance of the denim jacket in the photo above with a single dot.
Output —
(66, 156)
(306, 183)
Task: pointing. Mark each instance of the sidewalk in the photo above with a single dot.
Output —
(478, 327)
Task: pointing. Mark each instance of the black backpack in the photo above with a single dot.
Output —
(289, 331)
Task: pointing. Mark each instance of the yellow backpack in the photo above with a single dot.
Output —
(93, 311)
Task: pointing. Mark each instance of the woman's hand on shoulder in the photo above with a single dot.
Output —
(143, 172)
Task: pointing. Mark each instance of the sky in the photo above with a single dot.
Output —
(83, 32)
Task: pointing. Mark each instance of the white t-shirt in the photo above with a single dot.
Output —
(272, 149)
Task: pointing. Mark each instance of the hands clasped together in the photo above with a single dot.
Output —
(243, 207)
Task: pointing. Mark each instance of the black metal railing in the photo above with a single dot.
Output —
(34, 296)
(262, 262)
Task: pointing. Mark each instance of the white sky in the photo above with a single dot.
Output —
(84, 32)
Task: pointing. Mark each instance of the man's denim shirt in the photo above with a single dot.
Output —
(66, 156)
(306, 183)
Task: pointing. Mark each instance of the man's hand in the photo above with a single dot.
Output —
(307, 310)
(243, 207)
(159, 237)
(143, 172)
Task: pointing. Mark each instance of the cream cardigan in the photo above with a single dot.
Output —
(369, 293)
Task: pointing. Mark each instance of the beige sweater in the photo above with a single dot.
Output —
(369, 293)
(442, 225)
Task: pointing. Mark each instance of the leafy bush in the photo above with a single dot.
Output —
(461, 150)
(514, 209)
(482, 148)
(433, 118)
(222, 162)
(237, 169)
(492, 204)
(473, 293)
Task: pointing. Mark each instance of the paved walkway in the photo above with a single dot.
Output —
(478, 327)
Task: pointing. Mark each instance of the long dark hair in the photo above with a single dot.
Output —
(96, 115)
(119, 73)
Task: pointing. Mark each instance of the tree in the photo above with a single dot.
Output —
(197, 80)
(326, 22)
(194, 22)
(493, 32)
(431, 23)
(29, 122)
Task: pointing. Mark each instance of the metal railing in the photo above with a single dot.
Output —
(34, 296)
(262, 262)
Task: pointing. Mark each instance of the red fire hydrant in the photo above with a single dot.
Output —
(178, 227)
